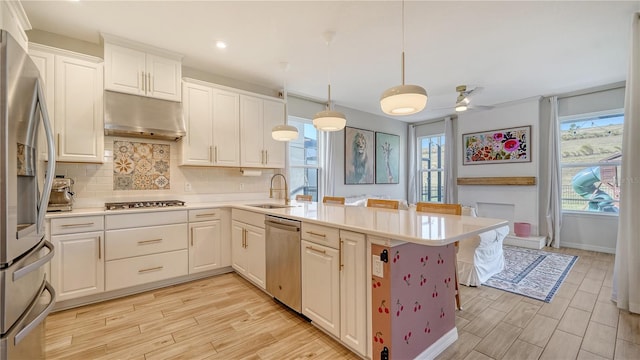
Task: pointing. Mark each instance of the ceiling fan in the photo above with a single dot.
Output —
(463, 101)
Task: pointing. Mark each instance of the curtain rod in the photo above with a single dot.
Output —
(453, 117)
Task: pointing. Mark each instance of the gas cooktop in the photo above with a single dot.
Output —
(143, 204)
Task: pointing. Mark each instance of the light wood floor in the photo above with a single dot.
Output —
(225, 317)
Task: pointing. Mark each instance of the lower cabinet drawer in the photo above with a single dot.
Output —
(145, 269)
(144, 241)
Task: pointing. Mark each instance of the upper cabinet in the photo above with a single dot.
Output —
(141, 70)
(73, 92)
(257, 117)
(213, 131)
(45, 61)
(14, 20)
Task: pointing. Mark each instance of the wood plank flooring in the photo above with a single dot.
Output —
(225, 317)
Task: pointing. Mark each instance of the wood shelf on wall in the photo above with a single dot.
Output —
(503, 180)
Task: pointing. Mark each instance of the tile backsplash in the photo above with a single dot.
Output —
(96, 184)
(141, 166)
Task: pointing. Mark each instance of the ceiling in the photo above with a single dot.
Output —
(512, 49)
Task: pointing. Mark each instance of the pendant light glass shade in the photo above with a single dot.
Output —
(403, 100)
(329, 120)
(284, 133)
(461, 102)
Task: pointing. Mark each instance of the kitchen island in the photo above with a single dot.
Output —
(409, 298)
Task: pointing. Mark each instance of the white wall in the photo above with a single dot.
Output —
(524, 198)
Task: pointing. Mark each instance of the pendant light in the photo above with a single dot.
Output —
(284, 132)
(329, 120)
(403, 99)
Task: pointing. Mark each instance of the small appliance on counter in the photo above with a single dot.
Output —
(61, 198)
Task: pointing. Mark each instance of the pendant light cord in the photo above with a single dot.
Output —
(329, 73)
(402, 42)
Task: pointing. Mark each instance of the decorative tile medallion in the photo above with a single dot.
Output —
(140, 166)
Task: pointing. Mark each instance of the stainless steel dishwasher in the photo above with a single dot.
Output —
(284, 280)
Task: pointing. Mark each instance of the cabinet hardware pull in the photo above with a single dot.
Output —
(316, 250)
(316, 234)
(191, 237)
(142, 81)
(215, 152)
(211, 154)
(341, 265)
(74, 225)
(203, 215)
(244, 238)
(150, 269)
(58, 144)
(99, 247)
(150, 89)
(261, 156)
(147, 242)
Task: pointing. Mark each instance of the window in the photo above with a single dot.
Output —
(591, 152)
(431, 167)
(304, 167)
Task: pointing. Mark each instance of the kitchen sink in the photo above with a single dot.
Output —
(270, 206)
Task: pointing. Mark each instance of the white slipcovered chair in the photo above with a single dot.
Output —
(480, 257)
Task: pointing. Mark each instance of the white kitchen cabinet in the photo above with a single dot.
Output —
(205, 241)
(213, 129)
(77, 268)
(353, 291)
(139, 71)
(257, 117)
(78, 114)
(45, 61)
(320, 286)
(145, 247)
(248, 252)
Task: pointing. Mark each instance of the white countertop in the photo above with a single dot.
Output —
(405, 225)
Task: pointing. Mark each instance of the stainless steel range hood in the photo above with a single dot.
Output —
(138, 116)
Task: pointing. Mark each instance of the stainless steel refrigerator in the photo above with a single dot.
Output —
(26, 298)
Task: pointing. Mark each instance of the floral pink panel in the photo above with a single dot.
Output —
(418, 290)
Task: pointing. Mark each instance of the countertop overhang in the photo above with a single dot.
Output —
(405, 225)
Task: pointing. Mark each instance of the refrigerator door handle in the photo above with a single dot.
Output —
(40, 318)
(36, 264)
(51, 153)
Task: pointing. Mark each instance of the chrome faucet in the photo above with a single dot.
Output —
(286, 188)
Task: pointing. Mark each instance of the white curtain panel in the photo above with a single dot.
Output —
(554, 181)
(328, 172)
(449, 160)
(412, 156)
(626, 274)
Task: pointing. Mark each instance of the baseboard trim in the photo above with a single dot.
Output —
(531, 242)
(439, 346)
(587, 247)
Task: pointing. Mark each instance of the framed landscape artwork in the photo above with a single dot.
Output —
(511, 145)
(358, 156)
(387, 158)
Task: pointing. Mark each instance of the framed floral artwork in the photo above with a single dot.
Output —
(387, 158)
(359, 149)
(511, 145)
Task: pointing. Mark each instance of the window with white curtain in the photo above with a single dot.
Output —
(431, 167)
(591, 152)
(304, 163)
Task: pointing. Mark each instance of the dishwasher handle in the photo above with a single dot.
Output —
(282, 226)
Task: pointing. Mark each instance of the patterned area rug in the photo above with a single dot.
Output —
(533, 273)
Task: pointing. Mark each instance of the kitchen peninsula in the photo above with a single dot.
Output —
(403, 274)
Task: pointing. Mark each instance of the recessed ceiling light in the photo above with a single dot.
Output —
(221, 44)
